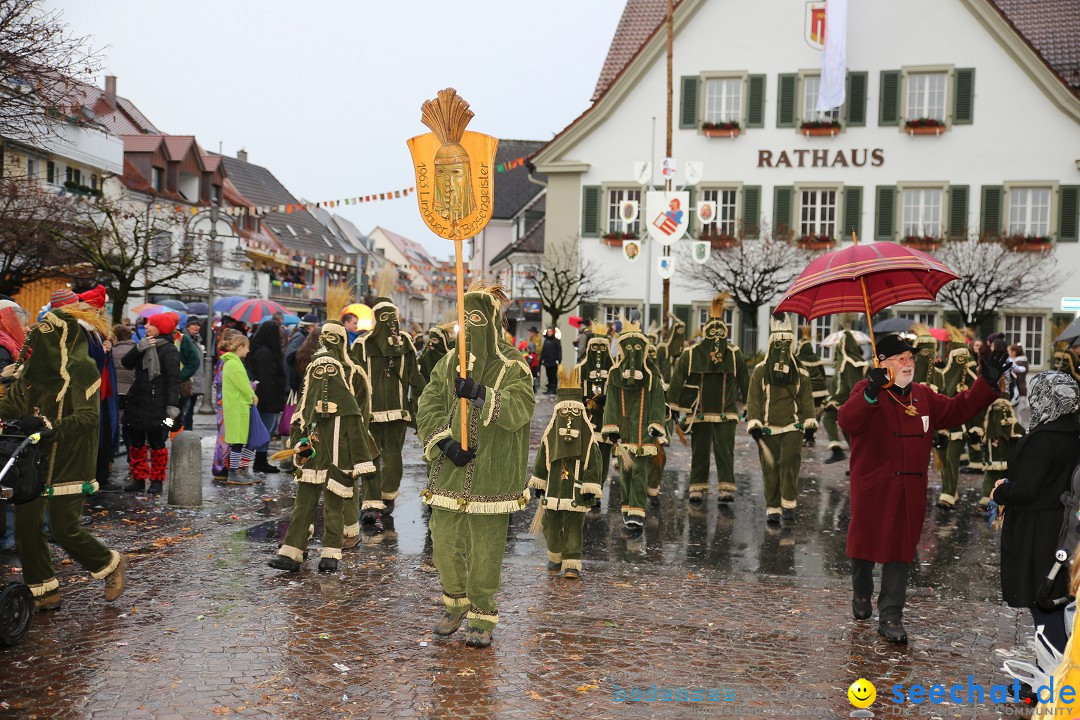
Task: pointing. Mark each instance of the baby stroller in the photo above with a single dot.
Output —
(20, 481)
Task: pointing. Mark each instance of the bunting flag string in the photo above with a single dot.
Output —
(511, 164)
(289, 208)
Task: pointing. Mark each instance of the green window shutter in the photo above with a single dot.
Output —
(889, 107)
(884, 214)
(1069, 213)
(964, 96)
(755, 101)
(688, 112)
(683, 313)
(782, 197)
(992, 198)
(590, 211)
(852, 212)
(785, 104)
(751, 210)
(958, 211)
(856, 99)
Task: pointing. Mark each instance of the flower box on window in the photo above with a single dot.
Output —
(720, 241)
(723, 129)
(820, 128)
(924, 126)
(615, 239)
(921, 242)
(1028, 243)
(816, 242)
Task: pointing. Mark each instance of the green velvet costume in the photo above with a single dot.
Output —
(848, 369)
(957, 375)
(57, 379)
(808, 357)
(707, 382)
(439, 343)
(634, 416)
(780, 402)
(471, 505)
(669, 351)
(567, 471)
(999, 430)
(593, 371)
(334, 422)
(388, 357)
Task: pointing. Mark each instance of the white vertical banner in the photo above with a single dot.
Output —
(834, 59)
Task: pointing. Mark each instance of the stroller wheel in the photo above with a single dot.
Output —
(16, 613)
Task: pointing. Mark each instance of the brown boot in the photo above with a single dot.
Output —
(115, 582)
(45, 603)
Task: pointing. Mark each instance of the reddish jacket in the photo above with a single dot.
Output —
(890, 452)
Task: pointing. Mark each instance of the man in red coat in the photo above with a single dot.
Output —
(892, 427)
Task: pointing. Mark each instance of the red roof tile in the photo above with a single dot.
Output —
(639, 20)
(141, 143)
(1052, 29)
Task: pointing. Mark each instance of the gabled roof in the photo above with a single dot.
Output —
(411, 249)
(639, 20)
(1052, 29)
(513, 189)
(124, 119)
(531, 243)
(297, 231)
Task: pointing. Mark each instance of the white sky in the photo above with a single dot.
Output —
(324, 94)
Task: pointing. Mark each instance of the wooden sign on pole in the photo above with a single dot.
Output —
(454, 191)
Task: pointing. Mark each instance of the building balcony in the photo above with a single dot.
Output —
(285, 290)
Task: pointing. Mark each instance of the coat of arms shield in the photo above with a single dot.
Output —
(814, 34)
(665, 266)
(667, 215)
(701, 251)
(631, 250)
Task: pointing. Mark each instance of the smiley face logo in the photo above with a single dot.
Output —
(862, 693)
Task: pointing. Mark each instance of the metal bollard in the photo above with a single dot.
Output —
(185, 470)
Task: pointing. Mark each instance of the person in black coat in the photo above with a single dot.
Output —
(266, 367)
(550, 357)
(1040, 470)
(153, 398)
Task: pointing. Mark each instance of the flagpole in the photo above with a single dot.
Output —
(463, 404)
(665, 301)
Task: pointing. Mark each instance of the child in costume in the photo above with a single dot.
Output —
(999, 430)
(593, 371)
(566, 476)
(333, 448)
(473, 491)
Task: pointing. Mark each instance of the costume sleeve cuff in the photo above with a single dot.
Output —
(591, 489)
(869, 400)
(610, 430)
(753, 424)
(538, 483)
(657, 430)
(492, 406)
(977, 430)
(431, 448)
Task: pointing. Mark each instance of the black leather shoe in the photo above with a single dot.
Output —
(328, 564)
(654, 500)
(836, 456)
(892, 631)
(280, 562)
(789, 515)
(773, 518)
(861, 608)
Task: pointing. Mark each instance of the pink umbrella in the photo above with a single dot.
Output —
(256, 311)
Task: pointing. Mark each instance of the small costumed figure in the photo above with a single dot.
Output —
(807, 355)
(474, 486)
(56, 392)
(332, 449)
(926, 372)
(566, 476)
(706, 384)
(780, 416)
(634, 420)
(439, 343)
(593, 371)
(1000, 429)
(848, 369)
(656, 468)
(387, 355)
(1065, 361)
(957, 376)
(671, 348)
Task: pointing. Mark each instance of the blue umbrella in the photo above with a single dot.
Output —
(198, 308)
(291, 319)
(177, 305)
(224, 304)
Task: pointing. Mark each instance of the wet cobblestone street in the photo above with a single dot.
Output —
(707, 597)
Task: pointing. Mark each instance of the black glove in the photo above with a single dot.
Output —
(809, 435)
(878, 378)
(974, 438)
(588, 499)
(536, 493)
(755, 432)
(612, 437)
(995, 366)
(30, 424)
(469, 389)
(941, 441)
(452, 449)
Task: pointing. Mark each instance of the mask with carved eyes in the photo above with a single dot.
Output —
(716, 330)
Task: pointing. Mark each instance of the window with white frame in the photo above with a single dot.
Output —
(917, 318)
(922, 212)
(817, 212)
(1026, 330)
(723, 100)
(821, 328)
(73, 175)
(723, 222)
(616, 196)
(1029, 211)
(810, 86)
(161, 247)
(31, 169)
(50, 172)
(926, 95)
(703, 317)
(613, 313)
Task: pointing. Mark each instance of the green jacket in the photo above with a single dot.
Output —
(808, 357)
(237, 397)
(438, 344)
(848, 369)
(567, 464)
(396, 382)
(635, 409)
(999, 430)
(706, 390)
(189, 357)
(780, 408)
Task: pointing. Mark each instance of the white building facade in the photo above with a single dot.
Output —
(1003, 159)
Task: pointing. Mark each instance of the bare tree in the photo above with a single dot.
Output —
(127, 244)
(42, 67)
(28, 217)
(754, 271)
(994, 273)
(564, 281)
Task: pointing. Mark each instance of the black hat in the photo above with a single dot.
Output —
(892, 344)
(309, 319)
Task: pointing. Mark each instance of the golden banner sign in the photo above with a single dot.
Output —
(454, 185)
